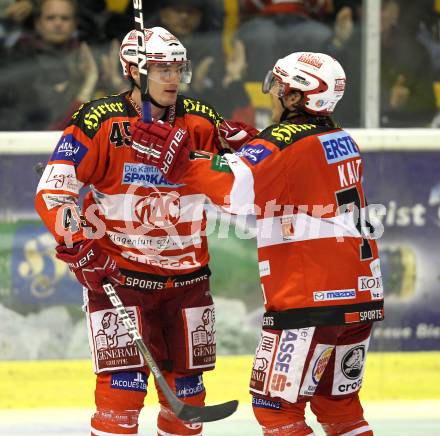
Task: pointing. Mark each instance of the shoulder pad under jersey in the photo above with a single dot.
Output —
(90, 116)
(188, 105)
(287, 133)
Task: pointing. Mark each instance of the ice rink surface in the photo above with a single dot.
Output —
(397, 418)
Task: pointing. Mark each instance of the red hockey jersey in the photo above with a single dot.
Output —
(146, 223)
(317, 264)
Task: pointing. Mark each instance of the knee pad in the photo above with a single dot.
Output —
(189, 389)
(280, 418)
(119, 398)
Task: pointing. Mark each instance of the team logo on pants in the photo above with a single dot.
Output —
(349, 367)
(113, 348)
(289, 362)
(200, 333)
(317, 365)
(263, 361)
(353, 362)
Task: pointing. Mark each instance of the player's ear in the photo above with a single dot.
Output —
(292, 99)
(134, 72)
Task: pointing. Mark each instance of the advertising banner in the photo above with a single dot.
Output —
(406, 183)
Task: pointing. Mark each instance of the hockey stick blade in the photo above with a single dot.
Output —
(207, 413)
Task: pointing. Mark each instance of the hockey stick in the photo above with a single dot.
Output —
(183, 411)
(142, 59)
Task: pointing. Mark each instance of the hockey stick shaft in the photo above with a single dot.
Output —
(134, 334)
(142, 59)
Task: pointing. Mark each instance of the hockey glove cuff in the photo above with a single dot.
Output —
(90, 264)
(234, 134)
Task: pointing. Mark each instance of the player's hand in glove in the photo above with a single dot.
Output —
(234, 134)
(162, 146)
(90, 264)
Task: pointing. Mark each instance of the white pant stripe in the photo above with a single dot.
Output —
(104, 433)
(356, 431)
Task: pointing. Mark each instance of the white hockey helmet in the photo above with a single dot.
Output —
(318, 76)
(161, 47)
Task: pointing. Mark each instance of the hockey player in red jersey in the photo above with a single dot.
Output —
(318, 262)
(142, 233)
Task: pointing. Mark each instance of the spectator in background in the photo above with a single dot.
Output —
(111, 80)
(428, 35)
(216, 77)
(407, 97)
(91, 18)
(52, 66)
(280, 28)
(345, 44)
(118, 18)
(13, 14)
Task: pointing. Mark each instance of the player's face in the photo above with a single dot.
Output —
(290, 101)
(164, 80)
(277, 108)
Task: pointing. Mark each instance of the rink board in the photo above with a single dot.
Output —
(401, 173)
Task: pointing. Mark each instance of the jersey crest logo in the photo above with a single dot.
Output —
(159, 209)
(254, 153)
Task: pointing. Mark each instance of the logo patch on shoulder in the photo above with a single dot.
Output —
(254, 153)
(338, 146)
(69, 148)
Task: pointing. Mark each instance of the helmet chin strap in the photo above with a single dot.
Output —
(153, 100)
(287, 113)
